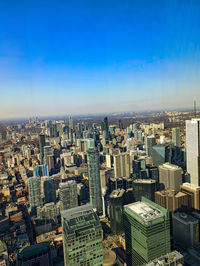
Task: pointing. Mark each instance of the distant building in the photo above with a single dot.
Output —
(185, 229)
(94, 179)
(170, 176)
(122, 165)
(34, 188)
(116, 202)
(105, 129)
(41, 145)
(152, 240)
(161, 153)
(193, 150)
(82, 237)
(68, 194)
(176, 138)
(150, 142)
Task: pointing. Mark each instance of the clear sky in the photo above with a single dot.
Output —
(78, 57)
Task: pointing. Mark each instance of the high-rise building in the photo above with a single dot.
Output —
(122, 165)
(171, 200)
(49, 211)
(68, 194)
(144, 187)
(147, 232)
(94, 179)
(34, 189)
(161, 153)
(41, 145)
(82, 237)
(193, 193)
(41, 170)
(170, 176)
(105, 129)
(176, 139)
(49, 190)
(116, 202)
(185, 229)
(193, 150)
(150, 142)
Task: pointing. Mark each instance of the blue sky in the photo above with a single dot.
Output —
(78, 57)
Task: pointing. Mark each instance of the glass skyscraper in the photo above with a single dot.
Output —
(94, 179)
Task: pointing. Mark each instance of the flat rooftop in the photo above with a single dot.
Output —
(190, 186)
(145, 181)
(144, 211)
(117, 193)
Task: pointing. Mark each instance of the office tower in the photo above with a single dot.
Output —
(144, 187)
(47, 151)
(41, 145)
(68, 194)
(49, 211)
(116, 202)
(153, 172)
(137, 166)
(49, 190)
(34, 189)
(147, 232)
(193, 150)
(150, 142)
(71, 122)
(171, 200)
(105, 129)
(161, 153)
(185, 229)
(94, 179)
(71, 127)
(41, 170)
(50, 162)
(173, 258)
(176, 138)
(193, 193)
(82, 237)
(122, 165)
(83, 194)
(90, 144)
(170, 176)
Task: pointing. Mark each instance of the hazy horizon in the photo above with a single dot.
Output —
(84, 57)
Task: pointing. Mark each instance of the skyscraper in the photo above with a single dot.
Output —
(144, 187)
(94, 179)
(122, 165)
(82, 237)
(49, 190)
(193, 150)
(150, 142)
(41, 145)
(176, 140)
(68, 194)
(147, 232)
(34, 189)
(105, 129)
(170, 176)
(41, 170)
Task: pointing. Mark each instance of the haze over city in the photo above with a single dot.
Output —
(79, 57)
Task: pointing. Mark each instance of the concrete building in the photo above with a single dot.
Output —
(68, 194)
(185, 229)
(171, 200)
(161, 153)
(41, 145)
(116, 202)
(82, 237)
(170, 176)
(150, 142)
(193, 193)
(49, 211)
(94, 179)
(193, 150)
(173, 258)
(122, 165)
(147, 232)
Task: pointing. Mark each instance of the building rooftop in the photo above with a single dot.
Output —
(34, 250)
(190, 186)
(170, 166)
(185, 218)
(145, 181)
(145, 211)
(117, 193)
(166, 259)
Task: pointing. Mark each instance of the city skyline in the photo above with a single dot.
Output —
(60, 58)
